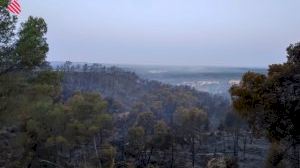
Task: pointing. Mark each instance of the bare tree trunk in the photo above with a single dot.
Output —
(149, 158)
(236, 143)
(101, 137)
(84, 159)
(251, 138)
(33, 158)
(244, 147)
(193, 151)
(123, 148)
(224, 143)
(57, 154)
(96, 151)
(172, 153)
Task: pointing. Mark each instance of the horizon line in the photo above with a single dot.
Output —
(165, 65)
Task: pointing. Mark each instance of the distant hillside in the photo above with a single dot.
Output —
(214, 80)
(124, 88)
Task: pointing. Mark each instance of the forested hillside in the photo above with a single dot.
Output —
(131, 93)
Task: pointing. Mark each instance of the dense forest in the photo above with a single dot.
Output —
(92, 116)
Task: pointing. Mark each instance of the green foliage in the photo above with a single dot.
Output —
(162, 136)
(47, 129)
(293, 52)
(147, 121)
(108, 154)
(27, 50)
(84, 106)
(7, 27)
(4, 3)
(270, 103)
(136, 139)
(31, 47)
(191, 124)
(191, 121)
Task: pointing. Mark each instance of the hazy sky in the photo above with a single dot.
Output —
(169, 32)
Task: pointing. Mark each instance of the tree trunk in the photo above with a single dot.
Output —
(96, 152)
(172, 153)
(149, 158)
(244, 147)
(101, 137)
(236, 143)
(224, 144)
(193, 151)
(84, 159)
